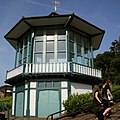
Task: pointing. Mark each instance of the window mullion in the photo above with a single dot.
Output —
(28, 43)
(23, 51)
(44, 46)
(55, 46)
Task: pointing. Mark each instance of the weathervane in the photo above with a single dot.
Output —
(55, 4)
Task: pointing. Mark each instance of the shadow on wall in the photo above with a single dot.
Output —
(80, 88)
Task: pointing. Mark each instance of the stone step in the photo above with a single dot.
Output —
(12, 118)
(114, 117)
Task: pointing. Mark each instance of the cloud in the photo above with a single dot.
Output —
(39, 3)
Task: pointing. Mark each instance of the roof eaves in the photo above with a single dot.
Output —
(38, 17)
(24, 19)
(13, 28)
(101, 40)
(70, 18)
(89, 23)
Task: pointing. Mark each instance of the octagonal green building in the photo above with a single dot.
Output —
(54, 59)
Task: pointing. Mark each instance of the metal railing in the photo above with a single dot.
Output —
(51, 116)
(3, 113)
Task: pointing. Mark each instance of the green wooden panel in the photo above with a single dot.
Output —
(48, 103)
(42, 103)
(19, 104)
(53, 102)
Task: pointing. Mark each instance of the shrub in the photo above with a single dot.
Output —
(78, 103)
(116, 92)
(5, 103)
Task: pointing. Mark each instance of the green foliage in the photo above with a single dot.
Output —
(115, 47)
(116, 92)
(109, 63)
(5, 103)
(116, 64)
(78, 103)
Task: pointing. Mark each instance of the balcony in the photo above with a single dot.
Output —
(52, 68)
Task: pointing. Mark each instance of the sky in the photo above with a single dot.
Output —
(104, 14)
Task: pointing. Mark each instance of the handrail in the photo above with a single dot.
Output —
(77, 112)
(51, 115)
(8, 111)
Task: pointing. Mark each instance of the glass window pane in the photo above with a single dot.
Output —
(71, 46)
(38, 38)
(50, 57)
(85, 41)
(38, 58)
(21, 44)
(50, 37)
(79, 42)
(50, 46)
(20, 63)
(72, 57)
(20, 54)
(78, 49)
(86, 52)
(38, 46)
(56, 84)
(71, 34)
(61, 57)
(24, 60)
(26, 40)
(61, 37)
(86, 61)
(48, 85)
(29, 51)
(41, 84)
(79, 59)
(29, 59)
(25, 51)
(61, 45)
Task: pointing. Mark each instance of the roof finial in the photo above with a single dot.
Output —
(56, 3)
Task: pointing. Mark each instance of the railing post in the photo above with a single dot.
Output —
(8, 114)
(68, 67)
(52, 117)
(25, 68)
(3, 108)
(71, 67)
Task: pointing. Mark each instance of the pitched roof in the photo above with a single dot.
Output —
(67, 20)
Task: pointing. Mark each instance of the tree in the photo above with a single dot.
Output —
(115, 47)
(103, 61)
(109, 63)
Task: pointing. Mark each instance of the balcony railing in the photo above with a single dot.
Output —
(15, 72)
(67, 67)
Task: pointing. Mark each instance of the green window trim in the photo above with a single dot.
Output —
(23, 51)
